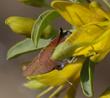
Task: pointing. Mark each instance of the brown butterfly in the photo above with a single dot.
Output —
(42, 63)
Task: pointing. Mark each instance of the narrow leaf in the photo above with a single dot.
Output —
(87, 78)
(43, 20)
(26, 46)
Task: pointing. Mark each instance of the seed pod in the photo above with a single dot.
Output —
(20, 25)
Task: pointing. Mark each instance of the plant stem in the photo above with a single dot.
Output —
(107, 3)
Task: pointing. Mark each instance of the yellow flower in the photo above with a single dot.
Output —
(91, 24)
(98, 50)
(70, 74)
(78, 14)
(90, 38)
(81, 37)
(59, 76)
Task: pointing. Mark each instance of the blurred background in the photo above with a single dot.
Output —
(11, 79)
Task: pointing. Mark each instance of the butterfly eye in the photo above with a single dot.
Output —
(61, 64)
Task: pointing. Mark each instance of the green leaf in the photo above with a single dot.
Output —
(43, 20)
(26, 46)
(35, 3)
(87, 78)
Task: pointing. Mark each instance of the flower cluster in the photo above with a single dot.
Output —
(89, 38)
(76, 53)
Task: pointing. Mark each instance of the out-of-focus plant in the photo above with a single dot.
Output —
(67, 57)
(35, 3)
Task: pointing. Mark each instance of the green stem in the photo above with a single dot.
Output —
(107, 3)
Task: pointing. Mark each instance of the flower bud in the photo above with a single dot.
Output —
(34, 84)
(20, 25)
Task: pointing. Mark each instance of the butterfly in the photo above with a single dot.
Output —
(42, 63)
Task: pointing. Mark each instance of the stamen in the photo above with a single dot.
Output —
(44, 92)
(56, 91)
(70, 83)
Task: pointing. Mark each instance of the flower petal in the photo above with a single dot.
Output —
(34, 84)
(83, 36)
(58, 77)
(101, 47)
(77, 14)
